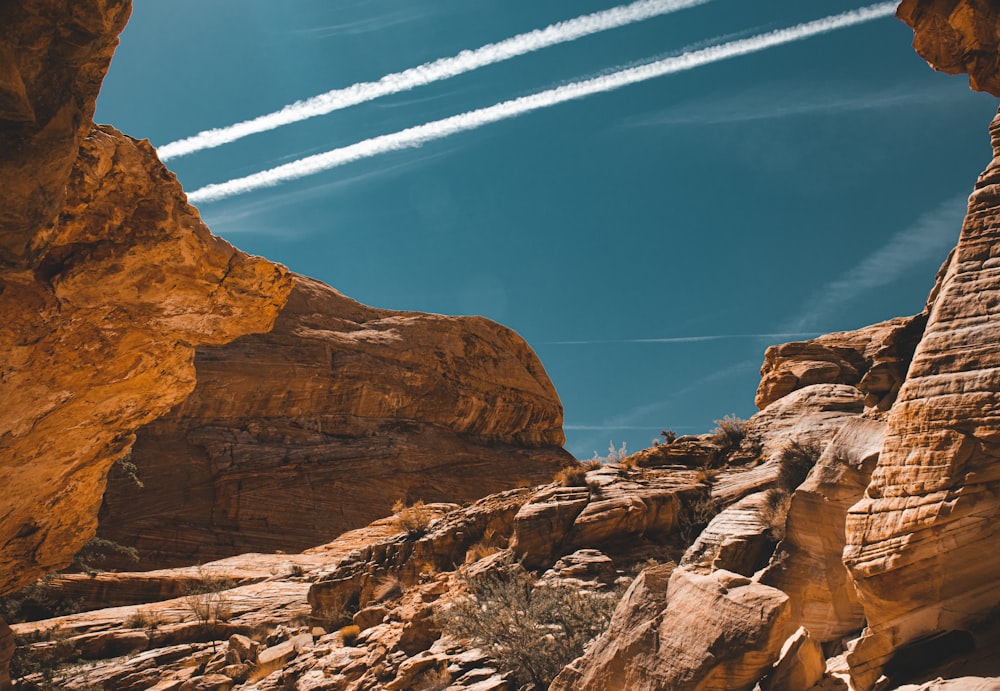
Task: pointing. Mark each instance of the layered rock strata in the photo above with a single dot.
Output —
(294, 436)
(915, 543)
(873, 359)
(108, 279)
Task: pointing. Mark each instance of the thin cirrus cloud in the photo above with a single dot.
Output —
(428, 73)
(417, 136)
(930, 237)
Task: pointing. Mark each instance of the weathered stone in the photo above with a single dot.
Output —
(208, 682)
(808, 566)
(7, 646)
(611, 661)
(718, 632)
(108, 280)
(544, 521)
(319, 426)
(740, 539)
(873, 359)
(957, 36)
(915, 541)
(800, 666)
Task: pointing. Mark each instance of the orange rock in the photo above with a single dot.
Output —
(917, 543)
(108, 279)
(957, 36)
(293, 437)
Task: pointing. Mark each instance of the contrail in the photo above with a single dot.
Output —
(421, 134)
(429, 72)
(691, 339)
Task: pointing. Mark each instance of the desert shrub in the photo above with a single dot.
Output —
(129, 469)
(206, 597)
(795, 461)
(695, 517)
(730, 432)
(572, 476)
(531, 632)
(776, 510)
(614, 455)
(37, 601)
(144, 619)
(349, 634)
(97, 550)
(413, 519)
(669, 436)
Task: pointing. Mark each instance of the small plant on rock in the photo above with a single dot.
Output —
(531, 631)
(572, 476)
(729, 433)
(414, 519)
(349, 634)
(795, 461)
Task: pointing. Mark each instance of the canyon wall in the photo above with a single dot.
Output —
(108, 279)
(294, 436)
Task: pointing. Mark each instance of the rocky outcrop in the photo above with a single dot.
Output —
(809, 566)
(320, 425)
(108, 279)
(873, 359)
(915, 541)
(957, 36)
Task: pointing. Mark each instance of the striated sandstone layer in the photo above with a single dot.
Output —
(957, 36)
(294, 436)
(874, 359)
(918, 543)
(108, 280)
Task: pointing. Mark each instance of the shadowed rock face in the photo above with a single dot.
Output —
(108, 279)
(916, 542)
(292, 437)
(957, 36)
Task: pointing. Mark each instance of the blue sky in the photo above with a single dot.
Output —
(649, 242)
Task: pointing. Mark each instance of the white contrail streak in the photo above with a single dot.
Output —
(429, 72)
(421, 134)
(692, 339)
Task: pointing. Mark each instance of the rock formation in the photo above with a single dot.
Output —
(108, 279)
(915, 542)
(319, 426)
(957, 36)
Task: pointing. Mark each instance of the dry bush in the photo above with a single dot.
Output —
(144, 619)
(695, 517)
(572, 476)
(729, 433)
(795, 461)
(414, 519)
(775, 510)
(206, 597)
(480, 550)
(592, 464)
(531, 632)
(349, 634)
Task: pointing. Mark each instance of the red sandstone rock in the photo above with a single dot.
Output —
(957, 36)
(108, 279)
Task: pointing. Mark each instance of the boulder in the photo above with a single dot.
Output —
(718, 631)
(801, 665)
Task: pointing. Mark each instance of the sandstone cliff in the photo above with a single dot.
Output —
(108, 279)
(319, 426)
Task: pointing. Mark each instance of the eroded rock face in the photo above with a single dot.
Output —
(809, 566)
(957, 36)
(108, 279)
(915, 542)
(873, 359)
(294, 436)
